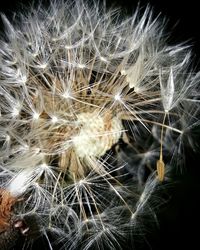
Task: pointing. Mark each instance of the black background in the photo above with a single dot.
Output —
(180, 219)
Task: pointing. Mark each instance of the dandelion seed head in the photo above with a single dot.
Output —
(88, 105)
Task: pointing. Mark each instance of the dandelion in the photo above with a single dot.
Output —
(90, 103)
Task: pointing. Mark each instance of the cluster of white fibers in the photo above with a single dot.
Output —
(94, 111)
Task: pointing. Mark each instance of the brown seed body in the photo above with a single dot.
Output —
(6, 203)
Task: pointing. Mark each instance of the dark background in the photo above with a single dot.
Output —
(179, 220)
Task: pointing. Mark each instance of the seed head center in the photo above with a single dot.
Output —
(97, 134)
